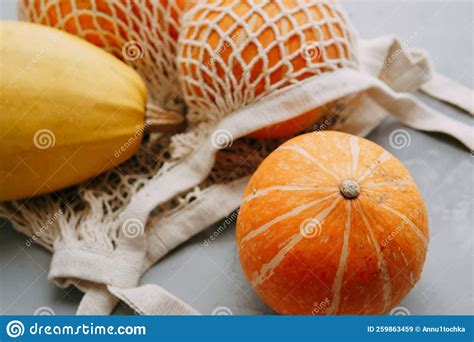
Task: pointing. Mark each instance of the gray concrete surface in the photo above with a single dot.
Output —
(210, 276)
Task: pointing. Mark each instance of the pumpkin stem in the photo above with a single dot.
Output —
(158, 119)
(349, 189)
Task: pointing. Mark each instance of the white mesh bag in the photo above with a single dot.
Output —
(112, 229)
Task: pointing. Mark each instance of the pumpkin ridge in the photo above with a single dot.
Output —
(355, 148)
(384, 275)
(308, 155)
(408, 182)
(341, 268)
(284, 216)
(381, 159)
(265, 191)
(266, 270)
(418, 231)
(400, 271)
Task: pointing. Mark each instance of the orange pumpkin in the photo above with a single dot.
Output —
(332, 224)
(226, 47)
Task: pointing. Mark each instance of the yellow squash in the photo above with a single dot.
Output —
(68, 110)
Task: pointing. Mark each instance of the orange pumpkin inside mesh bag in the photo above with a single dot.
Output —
(233, 53)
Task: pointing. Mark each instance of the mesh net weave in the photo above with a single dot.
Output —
(233, 52)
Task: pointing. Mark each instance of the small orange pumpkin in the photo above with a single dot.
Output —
(228, 45)
(332, 224)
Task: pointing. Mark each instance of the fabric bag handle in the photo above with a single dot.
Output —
(152, 299)
(444, 89)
